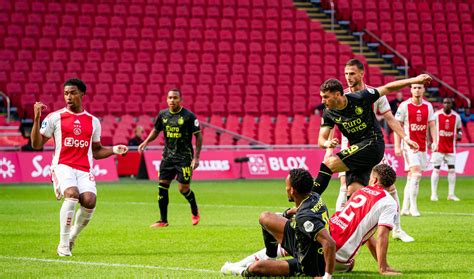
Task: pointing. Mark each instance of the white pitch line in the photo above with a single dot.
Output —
(109, 264)
(263, 207)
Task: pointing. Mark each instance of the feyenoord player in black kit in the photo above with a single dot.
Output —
(179, 159)
(306, 238)
(354, 116)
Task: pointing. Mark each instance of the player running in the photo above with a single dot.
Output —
(179, 159)
(76, 136)
(448, 124)
(369, 209)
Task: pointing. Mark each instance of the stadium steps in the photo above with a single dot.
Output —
(345, 37)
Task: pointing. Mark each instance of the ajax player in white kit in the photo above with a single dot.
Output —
(76, 136)
(368, 210)
(448, 124)
(416, 116)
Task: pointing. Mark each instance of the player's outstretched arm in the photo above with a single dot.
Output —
(329, 251)
(151, 137)
(197, 152)
(101, 152)
(399, 84)
(382, 250)
(37, 139)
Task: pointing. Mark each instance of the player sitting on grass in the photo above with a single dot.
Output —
(368, 209)
(306, 237)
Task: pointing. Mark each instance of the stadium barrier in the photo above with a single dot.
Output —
(214, 164)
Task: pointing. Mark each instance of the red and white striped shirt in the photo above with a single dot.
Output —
(73, 135)
(367, 208)
(415, 120)
(447, 126)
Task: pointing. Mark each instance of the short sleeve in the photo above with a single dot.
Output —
(97, 131)
(369, 94)
(401, 112)
(159, 123)
(310, 225)
(48, 126)
(382, 105)
(195, 125)
(430, 113)
(326, 121)
(388, 215)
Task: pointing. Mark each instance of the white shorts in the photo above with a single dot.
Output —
(64, 177)
(438, 158)
(415, 159)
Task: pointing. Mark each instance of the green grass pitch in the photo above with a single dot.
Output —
(118, 242)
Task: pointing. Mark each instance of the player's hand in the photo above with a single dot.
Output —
(434, 146)
(142, 147)
(389, 271)
(195, 163)
(331, 143)
(423, 79)
(120, 149)
(38, 108)
(412, 144)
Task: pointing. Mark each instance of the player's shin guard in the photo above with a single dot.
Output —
(342, 198)
(451, 181)
(66, 214)
(163, 200)
(434, 182)
(322, 180)
(83, 216)
(192, 201)
(394, 195)
(271, 244)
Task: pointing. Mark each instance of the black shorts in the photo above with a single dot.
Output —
(360, 158)
(307, 266)
(169, 170)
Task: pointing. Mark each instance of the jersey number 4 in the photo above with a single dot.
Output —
(347, 212)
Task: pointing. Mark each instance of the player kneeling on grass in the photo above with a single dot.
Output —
(368, 208)
(306, 237)
(77, 140)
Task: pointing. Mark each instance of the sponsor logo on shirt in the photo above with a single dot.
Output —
(44, 124)
(359, 110)
(71, 142)
(416, 127)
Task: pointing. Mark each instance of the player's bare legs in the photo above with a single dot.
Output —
(188, 194)
(84, 214)
(66, 215)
